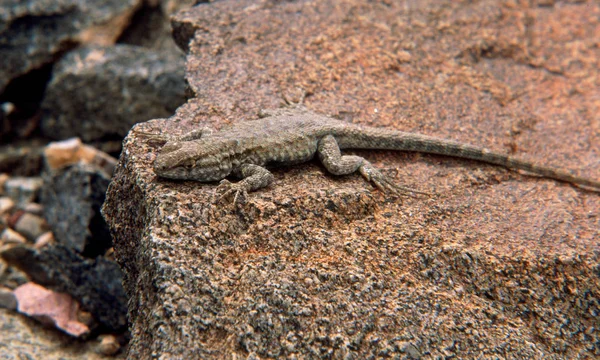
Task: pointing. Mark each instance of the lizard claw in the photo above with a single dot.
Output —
(385, 184)
(227, 188)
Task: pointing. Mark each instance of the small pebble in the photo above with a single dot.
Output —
(34, 208)
(7, 299)
(9, 236)
(109, 345)
(23, 189)
(32, 226)
(62, 153)
(3, 178)
(11, 219)
(6, 205)
(71, 151)
(43, 240)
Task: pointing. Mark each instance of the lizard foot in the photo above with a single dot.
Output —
(384, 183)
(227, 188)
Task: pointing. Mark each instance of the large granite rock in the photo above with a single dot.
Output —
(497, 265)
(101, 92)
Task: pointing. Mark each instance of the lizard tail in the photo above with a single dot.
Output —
(432, 145)
(450, 148)
(552, 173)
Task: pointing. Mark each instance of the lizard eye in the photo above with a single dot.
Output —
(189, 164)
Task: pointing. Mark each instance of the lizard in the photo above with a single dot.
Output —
(295, 135)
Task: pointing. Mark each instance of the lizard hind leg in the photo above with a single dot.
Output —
(338, 164)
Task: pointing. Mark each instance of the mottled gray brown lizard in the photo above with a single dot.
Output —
(295, 135)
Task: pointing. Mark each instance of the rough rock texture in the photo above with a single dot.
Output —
(150, 26)
(95, 284)
(72, 198)
(43, 29)
(21, 159)
(497, 265)
(24, 338)
(101, 92)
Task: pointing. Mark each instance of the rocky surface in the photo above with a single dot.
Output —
(24, 338)
(94, 283)
(72, 199)
(71, 43)
(110, 89)
(22, 159)
(496, 265)
(43, 29)
(28, 252)
(151, 26)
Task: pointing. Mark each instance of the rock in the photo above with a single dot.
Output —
(45, 239)
(49, 307)
(3, 178)
(10, 276)
(14, 216)
(95, 284)
(6, 205)
(7, 299)
(35, 32)
(111, 89)
(109, 345)
(21, 158)
(72, 198)
(30, 339)
(23, 189)
(22, 118)
(151, 26)
(5, 125)
(68, 152)
(10, 236)
(33, 208)
(496, 265)
(3, 267)
(31, 226)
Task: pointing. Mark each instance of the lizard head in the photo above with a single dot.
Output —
(198, 160)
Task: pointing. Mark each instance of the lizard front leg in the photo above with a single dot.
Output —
(254, 177)
(338, 164)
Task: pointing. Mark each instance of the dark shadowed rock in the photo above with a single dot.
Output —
(110, 89)
(496, 265)
(151, 26)
(21, 158)
(94, 283)
(35, 32)
(72, 198)
(7, 299)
